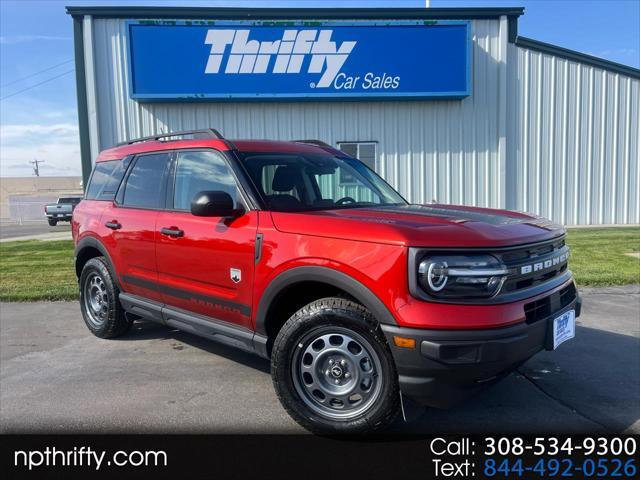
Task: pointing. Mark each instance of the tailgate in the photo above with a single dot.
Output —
(59, 209)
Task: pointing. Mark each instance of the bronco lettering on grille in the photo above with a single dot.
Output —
(546, 264)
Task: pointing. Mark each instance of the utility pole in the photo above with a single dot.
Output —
(36, 166)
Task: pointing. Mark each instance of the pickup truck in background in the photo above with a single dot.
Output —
(62, 210)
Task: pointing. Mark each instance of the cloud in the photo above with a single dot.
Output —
(35, 131)
(15, 39)
(618, 51)
(58, 158)
(629, 56)
(25, 110)
(56, 144)
(57, 114)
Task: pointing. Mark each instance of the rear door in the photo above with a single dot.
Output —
(206, 265)
(132, 222)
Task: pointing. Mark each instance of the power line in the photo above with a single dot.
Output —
(36, 73)
(37, 84)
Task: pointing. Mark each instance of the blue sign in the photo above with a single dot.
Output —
(299, 60)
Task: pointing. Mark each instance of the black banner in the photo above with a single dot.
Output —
(309, 457)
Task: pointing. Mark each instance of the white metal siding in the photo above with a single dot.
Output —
(442, 150)
(575, 128)
(538, 133)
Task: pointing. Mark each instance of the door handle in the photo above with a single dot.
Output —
(172, 231)
(113, 225)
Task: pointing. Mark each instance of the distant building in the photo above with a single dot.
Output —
(23, 198)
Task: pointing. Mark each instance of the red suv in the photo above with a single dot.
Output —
(303, 255)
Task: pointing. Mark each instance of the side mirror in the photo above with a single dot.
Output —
(213, 204)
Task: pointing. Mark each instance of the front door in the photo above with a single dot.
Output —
(205, 264)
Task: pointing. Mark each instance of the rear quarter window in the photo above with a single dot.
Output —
(105, 179)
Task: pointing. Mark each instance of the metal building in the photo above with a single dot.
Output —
(477, 115)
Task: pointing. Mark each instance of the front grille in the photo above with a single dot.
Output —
(530, 270)
(543, 308)
(554, 252)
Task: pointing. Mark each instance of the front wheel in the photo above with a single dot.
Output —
(333, 371)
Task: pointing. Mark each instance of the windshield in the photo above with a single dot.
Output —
(298, 182)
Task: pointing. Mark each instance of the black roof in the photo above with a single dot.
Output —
(232, 13)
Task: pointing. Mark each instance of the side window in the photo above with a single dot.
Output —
(200, 171)
(143, 186)
(363, 151)
(105, 179)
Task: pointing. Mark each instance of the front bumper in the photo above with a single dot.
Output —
(447, 366)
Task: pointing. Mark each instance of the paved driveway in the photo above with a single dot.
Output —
(56, 377)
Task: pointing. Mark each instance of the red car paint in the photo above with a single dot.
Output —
(368, 245)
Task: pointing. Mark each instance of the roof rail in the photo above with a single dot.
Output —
(318, 143)
(203, 133)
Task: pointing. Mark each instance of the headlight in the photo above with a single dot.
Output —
(456, 276)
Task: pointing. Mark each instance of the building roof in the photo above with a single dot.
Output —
(575, 56)
(462, 13)
(232, 13)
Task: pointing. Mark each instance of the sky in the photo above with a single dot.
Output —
(36, 46)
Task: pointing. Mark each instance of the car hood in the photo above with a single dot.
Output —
(432, 225)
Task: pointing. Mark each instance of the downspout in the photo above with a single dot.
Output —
(90, 74)
(81, 94)
(503, 161)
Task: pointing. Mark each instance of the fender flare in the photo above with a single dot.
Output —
(92, 242)
(325, 275)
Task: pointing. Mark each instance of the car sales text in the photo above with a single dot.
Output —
(370, 81)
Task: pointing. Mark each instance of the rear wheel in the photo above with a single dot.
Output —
(333, 370)
(52, 222)
(99, 302)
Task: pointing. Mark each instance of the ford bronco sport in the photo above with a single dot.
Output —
(303, 255)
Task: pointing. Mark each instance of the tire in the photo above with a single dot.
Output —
(335, 340)
(52, 222)
(101, 309)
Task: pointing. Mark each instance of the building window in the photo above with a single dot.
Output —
(363, 151)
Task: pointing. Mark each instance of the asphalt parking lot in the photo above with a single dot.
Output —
(57, 378)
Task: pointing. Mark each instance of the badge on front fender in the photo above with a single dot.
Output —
(235, 274)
